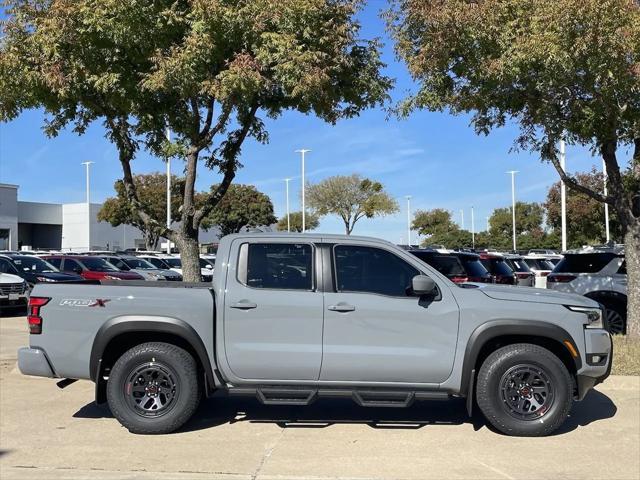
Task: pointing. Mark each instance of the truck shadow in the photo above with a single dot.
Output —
(324, 413)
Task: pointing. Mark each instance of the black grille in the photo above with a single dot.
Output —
(7, 288)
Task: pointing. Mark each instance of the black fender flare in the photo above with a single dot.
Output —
(122, 325)
(500, 328)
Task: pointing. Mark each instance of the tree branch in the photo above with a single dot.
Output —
(573, 183)
(208, 119)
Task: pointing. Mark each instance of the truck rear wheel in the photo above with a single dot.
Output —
(525, 390)
(153, 388)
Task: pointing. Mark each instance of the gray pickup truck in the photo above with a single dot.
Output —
(291, 318)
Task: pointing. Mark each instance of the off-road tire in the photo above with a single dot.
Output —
(182, 369)
(489, 393)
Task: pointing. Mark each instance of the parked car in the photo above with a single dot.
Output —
(599, 275)
(476, 271)
(206, 270)
(34, 269)
(542, 251)
(129, 263)
(90, 268)
(541, 267)
(444, 261)
(372, 323)
(157, 262)
(13, 292)
(498, 268)
(526, 278)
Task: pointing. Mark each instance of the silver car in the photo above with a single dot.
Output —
(142, 267)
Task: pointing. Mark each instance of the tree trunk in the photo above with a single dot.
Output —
(190, 257)
(632, 256)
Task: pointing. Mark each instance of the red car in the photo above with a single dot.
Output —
(498, 268)
(90, 268)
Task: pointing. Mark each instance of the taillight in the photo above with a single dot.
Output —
(524, 274)
(458, 279)
(34, 319)
(560, 278)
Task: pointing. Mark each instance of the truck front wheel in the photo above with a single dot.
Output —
(153, 388)
(524, 389)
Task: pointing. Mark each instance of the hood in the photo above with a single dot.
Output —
(534, 295)
(10, 278)
(125, 275)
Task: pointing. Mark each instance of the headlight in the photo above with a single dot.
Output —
(594, 315)
(44, 279)
(109, 277)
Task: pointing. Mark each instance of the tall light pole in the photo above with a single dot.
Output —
(408, 197)
(606, 205)
(473, 230)
(462, 219)
(287, 180)
(87, 164)
(513, 206)
(168, 192)
(302, 151)
(563, 198)
(488, 225)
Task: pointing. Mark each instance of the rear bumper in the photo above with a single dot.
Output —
(33, 361)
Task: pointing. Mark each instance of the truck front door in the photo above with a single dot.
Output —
(376, 330)
(273, 312)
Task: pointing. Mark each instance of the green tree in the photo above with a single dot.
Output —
(440, 229)
(241, 206)
(152, 192)
(529, 217)
(561, 69)
(206, 70)
(351, 198)
(311, 222)
(585, 215)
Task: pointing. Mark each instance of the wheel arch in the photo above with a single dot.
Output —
(492, 335)
(119, 334)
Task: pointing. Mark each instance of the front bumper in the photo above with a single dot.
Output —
(599, 359)
(33, 361)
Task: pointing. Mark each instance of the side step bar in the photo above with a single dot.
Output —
(285, 395)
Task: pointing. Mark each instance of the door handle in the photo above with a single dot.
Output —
(341, 307)
(244, 305)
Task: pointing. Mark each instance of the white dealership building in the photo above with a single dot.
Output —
(63, 226)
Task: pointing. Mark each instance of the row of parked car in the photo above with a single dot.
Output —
(19, 272)
(597, 272)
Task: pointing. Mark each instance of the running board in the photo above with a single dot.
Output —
(285, 395)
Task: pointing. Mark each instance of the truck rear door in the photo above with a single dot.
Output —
(273, 311)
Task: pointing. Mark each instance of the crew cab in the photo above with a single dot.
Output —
(291, 318)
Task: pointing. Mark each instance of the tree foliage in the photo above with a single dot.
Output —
(558, 68)
(351, 198)
(585, 215)
(204, 69)
(529, 217)
(241, 206)
(311, 222)
(152, 191)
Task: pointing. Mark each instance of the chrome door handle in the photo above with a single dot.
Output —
(341, 307)
(244, 305)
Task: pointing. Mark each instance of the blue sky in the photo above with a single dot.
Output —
(434, 157)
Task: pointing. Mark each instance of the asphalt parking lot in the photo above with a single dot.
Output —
(46, 432)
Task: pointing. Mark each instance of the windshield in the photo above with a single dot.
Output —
(138, 263)
(173, 262)
(33, 265)
(157, 262)
(538, 264)
(497, 266)
(98, 265)
(518, 265)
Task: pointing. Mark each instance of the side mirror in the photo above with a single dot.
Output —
(423, 285)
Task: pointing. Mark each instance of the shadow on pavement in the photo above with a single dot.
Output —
(323, 413)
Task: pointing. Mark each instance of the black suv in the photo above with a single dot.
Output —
(459, 267)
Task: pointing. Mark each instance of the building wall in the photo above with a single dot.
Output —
(40, 213)
(39, 236)
(9, 214)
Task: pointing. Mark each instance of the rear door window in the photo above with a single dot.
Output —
(583, 262)
(284, 266)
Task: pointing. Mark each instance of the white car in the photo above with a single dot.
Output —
(174, 262)
(597, 273)
(541, 267)
(14, 292)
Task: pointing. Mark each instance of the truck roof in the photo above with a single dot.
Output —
(302, 236)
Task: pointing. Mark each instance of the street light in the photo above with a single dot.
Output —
(87, 164)
(408, 197)
(473, 230)
(287, 180)
(302, 151)
(563, 198)
(513, 205)
(488, 225)
(462, 219)
(168, 192)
